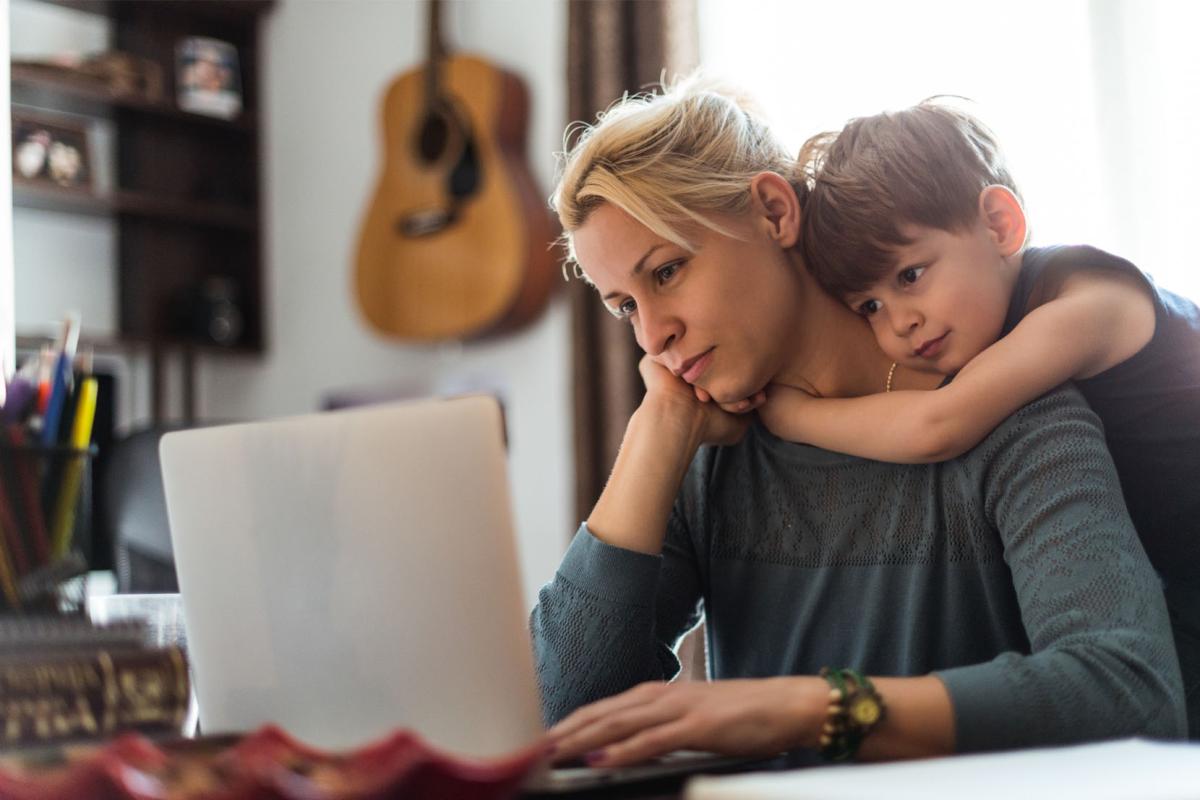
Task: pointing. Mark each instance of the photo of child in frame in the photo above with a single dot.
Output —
(51, 151)
(208, 80)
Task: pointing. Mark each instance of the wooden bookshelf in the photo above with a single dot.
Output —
(185, 200)
(31, 194)
(36, 88)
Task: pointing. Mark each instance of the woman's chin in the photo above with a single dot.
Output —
(727, 395)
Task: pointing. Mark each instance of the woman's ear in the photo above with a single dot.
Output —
(1005, 219)
(776, 204)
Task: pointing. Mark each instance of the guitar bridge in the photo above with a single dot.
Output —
(425, 222)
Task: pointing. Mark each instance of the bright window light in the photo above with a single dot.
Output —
(1097, 104)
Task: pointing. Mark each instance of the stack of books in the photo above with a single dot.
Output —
(63, 678)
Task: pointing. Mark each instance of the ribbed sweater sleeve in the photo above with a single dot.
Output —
(1102, 662)
(1013, 573)
(610, 619)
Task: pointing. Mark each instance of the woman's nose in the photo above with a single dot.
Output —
(655, 330)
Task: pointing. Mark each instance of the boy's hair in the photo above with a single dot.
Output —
(925, 165)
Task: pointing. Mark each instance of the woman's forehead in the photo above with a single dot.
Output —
(610, 245)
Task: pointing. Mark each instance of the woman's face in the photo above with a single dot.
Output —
(721, 318)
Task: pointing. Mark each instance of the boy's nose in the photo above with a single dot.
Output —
(905, 321)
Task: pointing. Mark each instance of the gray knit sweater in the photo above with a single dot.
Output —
(1012, 572)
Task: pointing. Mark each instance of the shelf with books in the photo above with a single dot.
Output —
(212, 9)
(48, 197)
(34, 87)
(186, 212)
(184, 185)
(30, 342)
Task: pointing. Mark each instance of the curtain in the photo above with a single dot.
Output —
(614, 46)
(617, 46)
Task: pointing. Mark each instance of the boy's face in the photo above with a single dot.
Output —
(944, 301)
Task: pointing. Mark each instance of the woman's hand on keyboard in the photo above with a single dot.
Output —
(749, 717)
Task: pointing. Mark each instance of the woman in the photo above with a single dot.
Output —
(997, 600)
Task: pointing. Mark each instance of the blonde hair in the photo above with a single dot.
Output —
(670, 159)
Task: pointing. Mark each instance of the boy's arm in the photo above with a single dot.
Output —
(1094, 322)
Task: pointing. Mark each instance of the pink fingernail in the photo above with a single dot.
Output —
(595, 757)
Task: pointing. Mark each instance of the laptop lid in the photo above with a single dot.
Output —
(348, 573)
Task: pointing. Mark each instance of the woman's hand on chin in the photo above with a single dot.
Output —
(751, 403)
(756, 717)
(712, 423)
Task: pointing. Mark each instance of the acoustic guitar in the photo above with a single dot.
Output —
(457, 242)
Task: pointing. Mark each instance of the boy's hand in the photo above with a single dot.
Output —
(783, 411)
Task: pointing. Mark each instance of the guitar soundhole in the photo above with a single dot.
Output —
(434, 134)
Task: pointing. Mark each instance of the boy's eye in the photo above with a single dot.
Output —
(869, 307)
(911, 275)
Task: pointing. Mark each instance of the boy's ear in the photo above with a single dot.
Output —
(1005, 219)
(775, 203)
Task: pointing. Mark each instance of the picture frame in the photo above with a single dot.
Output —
(208, 78)
(55, 151)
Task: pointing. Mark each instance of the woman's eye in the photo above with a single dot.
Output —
(626, 308)
(869, 307)
(667, 271)
(911, 275)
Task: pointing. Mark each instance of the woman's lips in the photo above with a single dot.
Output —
(931, 348)
(695, 368)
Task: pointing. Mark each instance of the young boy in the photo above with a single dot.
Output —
(916, 223)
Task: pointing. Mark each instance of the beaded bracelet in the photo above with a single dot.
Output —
(855, 708)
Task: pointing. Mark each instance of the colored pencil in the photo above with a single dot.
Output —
(68, 497)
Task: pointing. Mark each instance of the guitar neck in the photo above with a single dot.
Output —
(435, 49)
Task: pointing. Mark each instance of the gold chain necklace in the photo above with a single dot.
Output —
(891, 374)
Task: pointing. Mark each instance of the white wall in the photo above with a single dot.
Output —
(326, 66)
(1097, 105)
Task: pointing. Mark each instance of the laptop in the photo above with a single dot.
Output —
(348, 573)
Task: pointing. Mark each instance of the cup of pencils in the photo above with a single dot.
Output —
(46, 416)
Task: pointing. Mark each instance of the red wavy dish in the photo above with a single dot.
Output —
(271, 765)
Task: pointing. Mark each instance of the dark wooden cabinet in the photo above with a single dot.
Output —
(186, 198)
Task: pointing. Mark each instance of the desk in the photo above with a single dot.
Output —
(672, 787)
(663, 789)
(163, 616)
